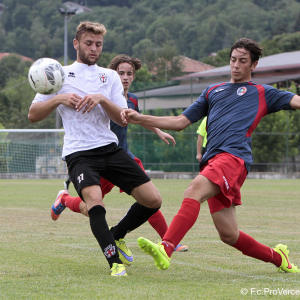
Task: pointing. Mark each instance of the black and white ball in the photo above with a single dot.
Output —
(46, 76)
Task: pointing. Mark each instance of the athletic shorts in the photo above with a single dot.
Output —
(229, 173)
(107, 186)
(110, 162)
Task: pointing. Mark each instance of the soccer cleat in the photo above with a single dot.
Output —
(157, 251)
(118, 270)
(57, 208)
(125, 253)
(181, 248)
(286, 266)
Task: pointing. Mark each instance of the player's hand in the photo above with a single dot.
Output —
(123, 118)
(131, 115)
(70, 100)
(166, 137)
(199, 157)
(88, 103)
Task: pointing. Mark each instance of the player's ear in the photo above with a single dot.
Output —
(75, 44)
(253, 65)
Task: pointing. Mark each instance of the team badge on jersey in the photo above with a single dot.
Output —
(241, 91)
(103, 77)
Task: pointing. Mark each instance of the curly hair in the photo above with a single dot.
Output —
(123, 58)
(250, 45)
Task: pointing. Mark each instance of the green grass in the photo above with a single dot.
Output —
(42, 259)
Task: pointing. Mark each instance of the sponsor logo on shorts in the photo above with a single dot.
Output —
(226, 183)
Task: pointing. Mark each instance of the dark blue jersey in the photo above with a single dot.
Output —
(233, 111)
(121, 132)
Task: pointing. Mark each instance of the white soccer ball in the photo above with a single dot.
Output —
(46, 76)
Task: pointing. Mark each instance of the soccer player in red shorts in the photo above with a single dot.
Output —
(233, 111)
(126, 67)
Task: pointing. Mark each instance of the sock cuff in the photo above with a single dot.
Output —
(191, 202)
(97, 210)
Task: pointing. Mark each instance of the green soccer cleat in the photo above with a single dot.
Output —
(286, 266)
(125, 254)
(118, 270)
(157, 251)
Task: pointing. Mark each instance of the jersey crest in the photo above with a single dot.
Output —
(241, 91)
(103, 77)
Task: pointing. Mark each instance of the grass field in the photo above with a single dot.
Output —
(42, 259)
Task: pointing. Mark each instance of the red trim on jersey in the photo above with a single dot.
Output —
(262, 108)
(215, 86)
(134, 101)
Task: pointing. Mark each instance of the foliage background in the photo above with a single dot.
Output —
(156, 31)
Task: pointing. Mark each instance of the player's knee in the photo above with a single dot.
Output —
(228, 237)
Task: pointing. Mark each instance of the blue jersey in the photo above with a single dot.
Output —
(233, 111)
(121, 132)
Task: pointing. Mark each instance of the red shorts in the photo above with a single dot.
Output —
(107, 186)
(229, 173)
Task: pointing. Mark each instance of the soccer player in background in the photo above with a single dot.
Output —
(126, 67)
(89, 98)
(233, 111)
(202, 139)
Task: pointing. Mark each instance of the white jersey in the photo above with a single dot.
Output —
(89, 130)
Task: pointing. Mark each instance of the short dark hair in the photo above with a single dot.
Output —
(250, 45)
(123, 58)
(87, 26)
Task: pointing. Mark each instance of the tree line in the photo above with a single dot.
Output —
(157, 32)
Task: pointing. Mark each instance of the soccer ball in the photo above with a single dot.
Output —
(46, 76)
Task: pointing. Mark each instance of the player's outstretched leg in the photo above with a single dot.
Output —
(157, 251)
(285, 266)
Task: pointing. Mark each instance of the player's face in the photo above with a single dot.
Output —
(89, 48)
(126, 73)
(241, 65)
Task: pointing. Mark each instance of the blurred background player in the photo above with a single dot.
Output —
(201, 139)
(126, 67)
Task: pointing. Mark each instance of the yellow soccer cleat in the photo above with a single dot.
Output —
(286, 266)
(118, 270)
(157, 251)
(125, 253)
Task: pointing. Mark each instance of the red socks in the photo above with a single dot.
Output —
(71, 202)
(181, 224)
(250, 247)
(158, 222)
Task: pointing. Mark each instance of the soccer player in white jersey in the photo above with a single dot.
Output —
(90, 97)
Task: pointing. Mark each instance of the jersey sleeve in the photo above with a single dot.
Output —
(277, 99)
(198, 109)
(40, 97)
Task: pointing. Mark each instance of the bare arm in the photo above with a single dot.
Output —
(113, 111)
(199, 147)
(40, 110)
(164, 136)
(295, 102)
(165, 122)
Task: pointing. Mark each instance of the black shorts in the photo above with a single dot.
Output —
(111, 162)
